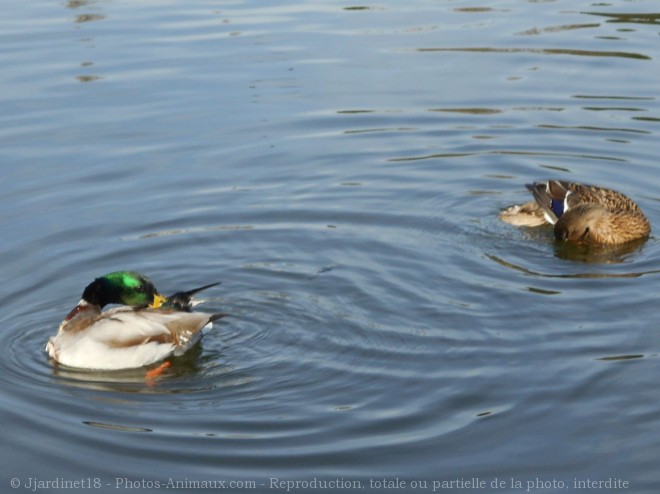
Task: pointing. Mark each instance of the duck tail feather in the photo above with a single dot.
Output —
(183, 300)
(217, 316)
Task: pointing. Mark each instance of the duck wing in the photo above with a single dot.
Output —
(611, 199)
(552, 196)
(556, 197)
(130, 337)
(129, 327)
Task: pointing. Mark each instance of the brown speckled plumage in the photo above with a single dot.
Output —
(581, 213)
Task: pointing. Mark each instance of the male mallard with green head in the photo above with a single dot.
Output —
(581, 213)
(147, 328)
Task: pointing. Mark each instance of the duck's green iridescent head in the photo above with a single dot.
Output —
(122, 287)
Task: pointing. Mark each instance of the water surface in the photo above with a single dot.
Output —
(339, 167)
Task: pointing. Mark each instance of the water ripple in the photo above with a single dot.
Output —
(339, 168)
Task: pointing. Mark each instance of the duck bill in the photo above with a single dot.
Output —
(159, 300)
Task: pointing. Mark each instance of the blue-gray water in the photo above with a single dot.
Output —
(339, 167)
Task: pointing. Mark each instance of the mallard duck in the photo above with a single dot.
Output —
(147, 328)
(581, 213)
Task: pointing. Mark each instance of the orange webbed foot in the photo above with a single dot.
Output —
(154, 373)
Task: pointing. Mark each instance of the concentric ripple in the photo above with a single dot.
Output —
(339, 169)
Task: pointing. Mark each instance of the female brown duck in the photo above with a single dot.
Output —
(581, 213)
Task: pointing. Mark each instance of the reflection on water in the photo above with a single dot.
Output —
(575, 253)
(74, 4)
(556, 29)
(540, 51)
(89, 18)
(624, 18)
(512, 153)
(114, 427)
(604, 254)
(88, 41)
(135, 380)
(621, 357)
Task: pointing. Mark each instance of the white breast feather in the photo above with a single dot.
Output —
(113, 342)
